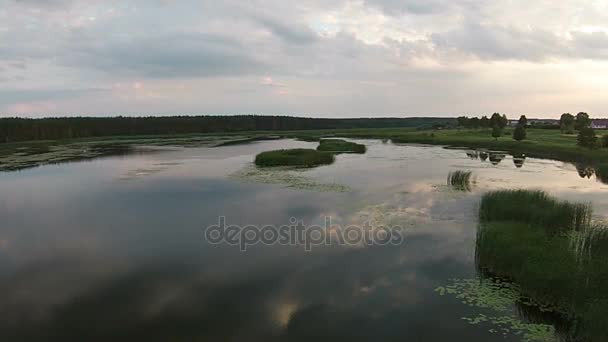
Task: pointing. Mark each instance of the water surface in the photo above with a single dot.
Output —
(114, 249)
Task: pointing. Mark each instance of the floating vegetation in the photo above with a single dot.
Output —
(299, 157)
(27, 157)
(460, 180)
(501, 297)
(289, 177)
(247, 140)
(340, 146)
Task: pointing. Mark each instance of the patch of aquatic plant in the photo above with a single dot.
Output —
(37, 155)
(298, 157)
(567, 272)
(340, 146)
(500, 297)
(589, 242)
(534, 207)
(460, 180)
(247, 140)
(289, 177)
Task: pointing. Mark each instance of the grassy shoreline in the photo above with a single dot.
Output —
(552, 251)
(541, 143)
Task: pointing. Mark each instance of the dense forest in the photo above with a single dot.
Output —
(21, 129)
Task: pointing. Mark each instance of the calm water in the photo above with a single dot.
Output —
(114, 249)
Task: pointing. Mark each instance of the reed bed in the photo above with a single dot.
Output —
(535, 207)
(553, 251)
(460, 180)
(340, 146)
(294, 157)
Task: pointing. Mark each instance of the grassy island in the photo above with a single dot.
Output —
(340, 146)
(295, 157)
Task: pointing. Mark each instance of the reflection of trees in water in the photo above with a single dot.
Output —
(473, 155)
(496, 158)
(601, 173)
(585, 170)
(519, 160)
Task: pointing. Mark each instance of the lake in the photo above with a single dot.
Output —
(114, 249)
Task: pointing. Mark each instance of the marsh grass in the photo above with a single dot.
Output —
(553, 251)
(340, 146)
(295, 157)
(534, 207)
(460, 180)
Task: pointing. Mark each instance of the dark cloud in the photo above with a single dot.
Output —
(167, 55)
(421, 7)
(500, 43)
(297, 33)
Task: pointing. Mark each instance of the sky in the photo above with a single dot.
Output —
(321, 58)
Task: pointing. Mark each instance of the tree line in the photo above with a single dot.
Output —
(22, 129)
(496, 120)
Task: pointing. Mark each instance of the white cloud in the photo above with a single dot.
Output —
(333, 58)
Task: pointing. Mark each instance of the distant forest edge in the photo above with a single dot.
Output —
(22, 129)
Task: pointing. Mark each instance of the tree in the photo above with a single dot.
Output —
(586, 137)
(484, 121)
(474, 122)
(582, 121)
(496, 120)
(605, 140)
(519, 133)
(463, 121)
(504, 121)
(523, 121)
(496, 132)
(566, 123)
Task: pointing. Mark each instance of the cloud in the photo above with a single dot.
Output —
(167, 55)
(18, 96)
(499, 43)
(399, 7)
(363, 48)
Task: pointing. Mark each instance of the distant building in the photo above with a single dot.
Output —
(543, 122)
(513, 122)
(599, 123)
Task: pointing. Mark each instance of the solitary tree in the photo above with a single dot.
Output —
(523, 121)
(582, 121)
(586, 137)
(496, 132)
(519, 133)
(498, 120)
(566, 123)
